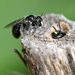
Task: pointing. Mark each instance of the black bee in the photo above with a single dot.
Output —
(58, 33)
(26, 22)
(37, 21)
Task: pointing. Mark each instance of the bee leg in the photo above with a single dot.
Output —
(22, 59)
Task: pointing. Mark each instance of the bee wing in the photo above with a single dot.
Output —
(14, 22)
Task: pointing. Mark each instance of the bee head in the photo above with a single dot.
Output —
(57, 33)
(37, 21)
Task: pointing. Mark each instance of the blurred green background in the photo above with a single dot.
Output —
(11, 10)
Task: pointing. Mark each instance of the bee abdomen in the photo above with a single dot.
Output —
(15, 31)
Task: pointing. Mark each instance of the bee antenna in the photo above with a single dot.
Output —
(42, 14)
(54, 28)
(59, 27)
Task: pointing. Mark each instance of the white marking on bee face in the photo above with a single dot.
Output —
(42, 23)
